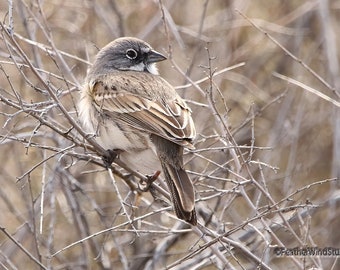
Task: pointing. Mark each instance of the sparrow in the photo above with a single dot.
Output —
(135, 112)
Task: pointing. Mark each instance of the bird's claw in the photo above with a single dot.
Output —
(144, 184)
(109, 156)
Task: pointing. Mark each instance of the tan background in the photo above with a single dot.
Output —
(261, 139)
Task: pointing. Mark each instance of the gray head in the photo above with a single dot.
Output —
(127, 53)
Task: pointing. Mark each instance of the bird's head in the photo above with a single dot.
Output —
(127, 53)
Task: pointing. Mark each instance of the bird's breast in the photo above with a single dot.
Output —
(108, 133)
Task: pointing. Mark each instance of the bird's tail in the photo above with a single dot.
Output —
(181, 188)
(182, 192)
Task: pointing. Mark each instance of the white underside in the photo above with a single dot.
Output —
(152, 68)
(145, 161)
(138, 154)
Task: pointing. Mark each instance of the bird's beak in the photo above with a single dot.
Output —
(154, 57)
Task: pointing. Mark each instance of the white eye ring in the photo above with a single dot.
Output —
(131, 54)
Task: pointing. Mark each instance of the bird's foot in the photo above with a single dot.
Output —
(109, 156)
(144, 184)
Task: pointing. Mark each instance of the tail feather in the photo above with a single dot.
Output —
(181, 188)
(182, 193)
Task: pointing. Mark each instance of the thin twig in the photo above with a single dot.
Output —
(307, 88)
(20, 246)
(309, 69)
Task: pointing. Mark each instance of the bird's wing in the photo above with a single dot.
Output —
(168, 117)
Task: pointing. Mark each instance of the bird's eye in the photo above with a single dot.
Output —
(131, 54)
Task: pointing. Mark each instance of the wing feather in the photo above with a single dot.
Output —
(168, 117)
